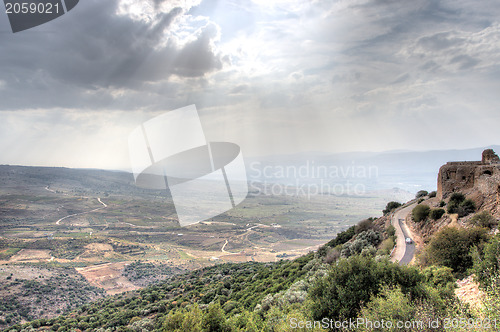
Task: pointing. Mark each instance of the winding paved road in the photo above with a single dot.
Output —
(404, 252)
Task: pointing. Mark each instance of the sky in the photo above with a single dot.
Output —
(275, 77)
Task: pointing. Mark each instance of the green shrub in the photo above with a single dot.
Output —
(421, 193)
(420, 212)
(458, 204)
(342, 237)
(366, 240)
(352, 282)
(456, 198)
(484, 219)
(391, 231)
(487, 261)
(466, 207)
(386, 246)
(452, 207)
(441, 278)
(442, 203)
(391, 305)
(491, 300)
(437, 213)
(391, 206)
(451, 247)
(432, 194)
(214, 319)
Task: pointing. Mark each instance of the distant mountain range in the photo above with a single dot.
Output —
(407, 170)
(375, 171)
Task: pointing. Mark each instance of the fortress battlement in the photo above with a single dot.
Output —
(458, 176)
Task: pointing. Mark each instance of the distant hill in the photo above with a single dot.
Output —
(407, 170)
(82, 181)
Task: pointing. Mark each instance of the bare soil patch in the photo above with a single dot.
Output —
(30, 255)
(108, 276)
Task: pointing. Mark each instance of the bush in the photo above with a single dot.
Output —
(451, 247)
(458, 204)
(442, 203)
(432, 194)
(354, 281)
(332, 255)
(391, 231)
(374, 238)
(364, 225)
(342, 237)
(386, 246)
(491, 300)
(456, 198)
(484, 219)
(391, 305)
(421, 193)
(437, 213)
(214, 319)
(466, 207)
(420, 212)
(441, 278)
(391, 206)
(365, 240)
(487, 264)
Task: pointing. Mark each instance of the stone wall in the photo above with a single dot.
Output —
(462, 176)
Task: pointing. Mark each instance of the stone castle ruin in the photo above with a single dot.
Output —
(466, 176)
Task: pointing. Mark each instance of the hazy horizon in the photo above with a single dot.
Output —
(275, 78)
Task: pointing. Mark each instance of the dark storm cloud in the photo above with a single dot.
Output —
(72, 61)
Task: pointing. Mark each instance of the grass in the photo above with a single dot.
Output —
(183, 255)
(8, 253)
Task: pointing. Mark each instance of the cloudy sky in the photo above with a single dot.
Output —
(276, 77)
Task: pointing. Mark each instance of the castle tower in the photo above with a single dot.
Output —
(490, 157)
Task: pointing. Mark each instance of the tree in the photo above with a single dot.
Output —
(391, 206)
(420, 212)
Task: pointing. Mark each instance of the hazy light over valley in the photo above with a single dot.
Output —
(275, 77)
